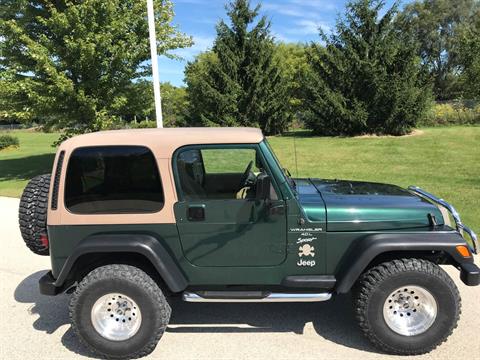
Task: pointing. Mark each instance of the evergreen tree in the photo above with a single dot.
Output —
(73, 63)
(366, 79)
(239, 84)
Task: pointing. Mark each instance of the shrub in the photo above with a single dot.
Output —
(145, 124)
(455, 113)
(7, 141)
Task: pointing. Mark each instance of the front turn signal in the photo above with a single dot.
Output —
(463, 250)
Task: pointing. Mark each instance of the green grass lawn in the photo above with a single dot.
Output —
(444, 161)
(33, 157)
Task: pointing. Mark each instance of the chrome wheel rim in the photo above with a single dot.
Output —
(116, 317)
(410, 310)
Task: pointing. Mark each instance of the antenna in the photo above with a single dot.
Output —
(295, 153)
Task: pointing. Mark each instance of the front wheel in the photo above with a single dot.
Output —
(407, 307)
(119, 312)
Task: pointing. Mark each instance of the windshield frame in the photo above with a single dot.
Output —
(286, 178)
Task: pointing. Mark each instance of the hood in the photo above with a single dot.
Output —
(364, 206)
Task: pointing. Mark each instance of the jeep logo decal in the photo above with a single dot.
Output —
(306, 250)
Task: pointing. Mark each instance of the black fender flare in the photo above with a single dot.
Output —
(363, 251)
(142, 244)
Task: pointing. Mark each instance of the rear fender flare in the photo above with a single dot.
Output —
(142, 244)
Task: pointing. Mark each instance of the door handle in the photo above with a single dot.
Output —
(196, 213)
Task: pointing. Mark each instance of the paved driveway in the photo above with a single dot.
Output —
(33, 326)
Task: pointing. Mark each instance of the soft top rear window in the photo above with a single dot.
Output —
(113, 180)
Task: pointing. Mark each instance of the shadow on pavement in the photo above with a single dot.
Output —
(333, 320)
(52, 312)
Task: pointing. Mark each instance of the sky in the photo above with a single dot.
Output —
(292, 21)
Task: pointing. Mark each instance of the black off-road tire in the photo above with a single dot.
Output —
(133, 283)
(375, 285)
(32, 214)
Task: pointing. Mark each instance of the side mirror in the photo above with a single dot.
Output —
(263, 187)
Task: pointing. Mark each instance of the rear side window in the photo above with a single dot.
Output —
(113, 180)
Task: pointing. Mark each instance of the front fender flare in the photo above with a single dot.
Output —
(361, 253)
(141, 244)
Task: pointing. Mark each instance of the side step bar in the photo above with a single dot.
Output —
(253, 297)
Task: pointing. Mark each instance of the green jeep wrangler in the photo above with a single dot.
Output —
(132, 218)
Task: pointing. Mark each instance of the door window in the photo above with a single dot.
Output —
(228, 161)
(219, 173)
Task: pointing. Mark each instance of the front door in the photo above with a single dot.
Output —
(220, 222)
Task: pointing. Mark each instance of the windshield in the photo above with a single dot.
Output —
(288, 176)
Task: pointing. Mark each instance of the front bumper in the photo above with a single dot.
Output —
(461, 227)
(47, 285)
(470, 274)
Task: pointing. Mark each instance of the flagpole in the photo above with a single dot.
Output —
(155, 75)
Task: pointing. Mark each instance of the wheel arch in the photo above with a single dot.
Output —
(374, 249)
(139, 250)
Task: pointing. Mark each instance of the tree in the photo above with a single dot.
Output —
(140, 102)
(436, 25)
(195, 74)
(11, 101)
(73, 63)
(469, 58)
(366, 78)
(239, 83)
(140, 105)
(174, 105)
(292, 62)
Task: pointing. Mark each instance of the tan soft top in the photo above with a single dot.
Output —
(163, 142)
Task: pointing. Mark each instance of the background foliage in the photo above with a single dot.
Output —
(73, 64)
(7, 140)
(469, 57)
(366, 79)
(240, 83)
(82, 66)
(437, 26)
(452, 113)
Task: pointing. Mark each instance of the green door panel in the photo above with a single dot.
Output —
(233, 233)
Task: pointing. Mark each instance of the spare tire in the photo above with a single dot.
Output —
(32, 214)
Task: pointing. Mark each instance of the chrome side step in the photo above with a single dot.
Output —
(239, 297)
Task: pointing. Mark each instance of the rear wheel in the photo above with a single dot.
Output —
(119, 312)
(407, 307)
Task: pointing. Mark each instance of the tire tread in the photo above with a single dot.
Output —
(32, 213)
(136, 276)
(370, 280)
